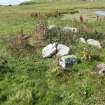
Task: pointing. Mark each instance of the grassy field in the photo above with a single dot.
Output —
(32, 80)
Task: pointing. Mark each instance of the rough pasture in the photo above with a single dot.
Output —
(28, 79)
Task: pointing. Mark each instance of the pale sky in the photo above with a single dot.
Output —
(12, 2)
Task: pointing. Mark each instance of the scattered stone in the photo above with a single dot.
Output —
(82, 40)
(62, 50)
(100, 66)
(55, 49)
(102, 72)
(91, 42)
(94, 43)
(70, 29)
(49, 50)
(100, 69)
(67, 61)
(52, 29)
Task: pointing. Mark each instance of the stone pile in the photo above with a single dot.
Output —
(62, 52)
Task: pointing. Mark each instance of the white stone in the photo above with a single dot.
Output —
(102, 72)
(70, 29)
(94, 43)
(49, 50)
(67, 61)
(62, 50)
(82, 40)
(100, 66)
(101, 69)
(51, 27)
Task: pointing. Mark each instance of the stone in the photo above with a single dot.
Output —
(82, 40)
(62, 50)
(52, 29)
(49, 50)
(100, 66)
(70, 29)
(100, 69)
(102, 72)
(67, 61)
(94, 43)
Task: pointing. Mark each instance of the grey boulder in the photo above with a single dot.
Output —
(62, 50)
(49, 50)
(67, 61)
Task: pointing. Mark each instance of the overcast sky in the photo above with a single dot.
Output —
(12, 2)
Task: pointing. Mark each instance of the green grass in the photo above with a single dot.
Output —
(31, 80)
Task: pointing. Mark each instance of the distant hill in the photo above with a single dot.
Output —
(56, 1)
